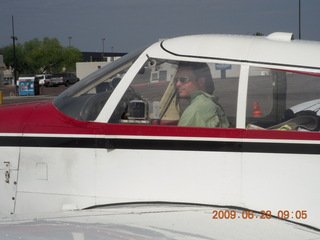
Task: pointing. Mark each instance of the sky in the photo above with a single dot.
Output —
(127, 25)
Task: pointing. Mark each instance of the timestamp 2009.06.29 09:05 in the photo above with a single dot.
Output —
(263, 214)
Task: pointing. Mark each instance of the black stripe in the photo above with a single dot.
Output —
(150, 144)
(51, 142)
(292, 148)
(177, 145)
(237, 60)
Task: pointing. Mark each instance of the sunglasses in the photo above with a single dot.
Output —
(183, 80)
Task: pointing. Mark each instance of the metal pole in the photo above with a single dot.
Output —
(102, 55)
(69, 41)
(112, 56)
(299, 19)
(14, 38)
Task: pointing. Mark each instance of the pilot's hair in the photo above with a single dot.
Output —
(201, 70)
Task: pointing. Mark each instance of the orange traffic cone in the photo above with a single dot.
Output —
(256, 110)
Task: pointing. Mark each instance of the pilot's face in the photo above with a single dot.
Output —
(186, 82)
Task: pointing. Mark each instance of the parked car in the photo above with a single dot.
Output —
(63, 79)
(43, 79)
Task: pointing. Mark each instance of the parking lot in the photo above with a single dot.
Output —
(10, 95)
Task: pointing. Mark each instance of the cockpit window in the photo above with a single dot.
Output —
(283, 100)
(85, 100)
(195, 94)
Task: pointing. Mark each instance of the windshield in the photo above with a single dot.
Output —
(157, 95)
(100, 84)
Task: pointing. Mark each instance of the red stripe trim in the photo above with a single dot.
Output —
(317, 74)
(46, 119)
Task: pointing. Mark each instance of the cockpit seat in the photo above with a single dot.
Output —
(306, 122)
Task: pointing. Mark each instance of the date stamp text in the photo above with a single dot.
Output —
(263, 214)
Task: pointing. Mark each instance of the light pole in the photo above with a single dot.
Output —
(14, 39)
(112, 59)
(69, 38)
(102, 55)
(299, 19)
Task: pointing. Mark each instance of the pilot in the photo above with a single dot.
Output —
(194, 82)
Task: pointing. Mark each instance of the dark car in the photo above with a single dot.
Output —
(63, 79)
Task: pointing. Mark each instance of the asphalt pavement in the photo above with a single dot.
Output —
(10, 96)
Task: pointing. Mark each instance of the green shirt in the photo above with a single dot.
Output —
(203, 111)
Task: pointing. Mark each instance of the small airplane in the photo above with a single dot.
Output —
(152, 221)
(126, 133)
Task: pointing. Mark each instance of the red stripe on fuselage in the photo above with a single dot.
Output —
(44, 118)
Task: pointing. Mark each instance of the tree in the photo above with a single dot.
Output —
(7, 53)
(46, 56)
(70, 56)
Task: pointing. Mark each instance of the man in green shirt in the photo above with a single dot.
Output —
(194, 81)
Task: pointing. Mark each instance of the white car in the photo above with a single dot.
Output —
(43, 79)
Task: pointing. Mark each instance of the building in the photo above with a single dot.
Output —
(99, 57)
(2, 69)
(92, 61)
